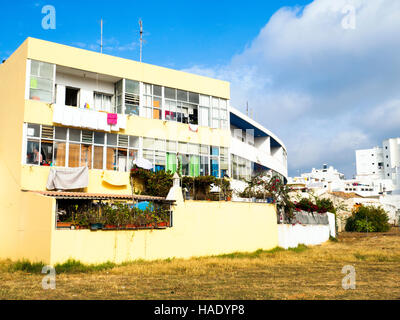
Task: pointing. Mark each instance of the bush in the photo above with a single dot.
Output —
(368, 219)
(155, 184)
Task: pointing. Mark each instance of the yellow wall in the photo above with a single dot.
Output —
(25, 218)
(105, 64)
(42, 113)
(200, 228)
(35, 178)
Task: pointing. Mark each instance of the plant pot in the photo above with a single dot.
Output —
(96, 226)
(162, 224)
(131, 226)
(64, 225)
(110, 227)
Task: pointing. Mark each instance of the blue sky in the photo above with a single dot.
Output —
(325, 89)
(179, 34)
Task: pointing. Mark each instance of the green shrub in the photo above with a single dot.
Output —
(155, 184)
(368, 219)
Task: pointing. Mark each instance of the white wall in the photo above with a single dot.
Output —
(254, 154)
(367, 163)
(290, 236)
(87, 88)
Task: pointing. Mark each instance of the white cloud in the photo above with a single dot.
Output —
(320, 86)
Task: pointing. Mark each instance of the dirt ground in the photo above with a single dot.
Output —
(311, 273)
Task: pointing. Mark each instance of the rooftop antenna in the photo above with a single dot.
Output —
(141, 38)
(101, 37)
(247, 108)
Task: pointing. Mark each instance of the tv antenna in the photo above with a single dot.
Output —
(101, 36)
(141, 38)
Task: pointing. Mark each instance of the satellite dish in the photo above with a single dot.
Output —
(143, 163)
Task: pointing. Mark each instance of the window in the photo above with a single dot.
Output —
(102, 102)
(41, 81)
(181, 106)
(152, 101)
(32, 152)
(204, 166)
(57, 146)
(118, 96)
(132, 97)
(224, 165)
(127, 97)
(71, 97)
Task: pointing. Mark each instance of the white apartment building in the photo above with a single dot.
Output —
(380, 165)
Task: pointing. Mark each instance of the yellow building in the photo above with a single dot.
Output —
(65, 108)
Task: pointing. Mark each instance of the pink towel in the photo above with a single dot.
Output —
(112, 118)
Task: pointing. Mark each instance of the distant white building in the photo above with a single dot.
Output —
(380, 165)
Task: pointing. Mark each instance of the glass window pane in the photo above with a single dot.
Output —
(215, 124)
(112, 139)
(98, 157)
(204, 166)
(122, 160)
(99, 137)
(182, 147)
(33, 130)
(74, 135)
(182, 95)
(223, 104)
(59, 154)
(171, 146)
(157, 90)
(148, 143)
(160, 158)
(46, 70)
(194, 97)
(204, 149)
(133, 142)
(214, 151)
(34, 68)
(73, 159)
(148, 155)
(133, 155)
(215, 113)
(118, 87)
(205, 101)
(46, 153)
(147, 89)
(214, 168)
(204, 117)
(41, 84)
(40, 95)
(132, 86)
(215, 102)
(193, 148)
(111, 160)
(171, 162)
(170, 93)
(60, 133)
(157, 102)
(159, 144)
(32, 152)
(86, 156)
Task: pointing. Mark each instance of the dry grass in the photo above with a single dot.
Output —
(314, 273)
